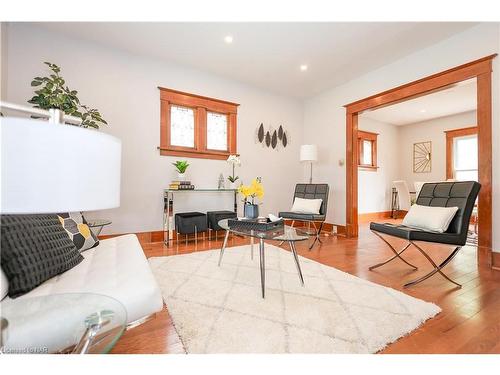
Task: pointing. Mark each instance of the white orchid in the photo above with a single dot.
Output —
(233, 160)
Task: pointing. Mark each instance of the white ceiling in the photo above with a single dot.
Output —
(268, 55)
(456, 99)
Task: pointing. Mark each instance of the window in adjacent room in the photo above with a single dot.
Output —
(367, 147)
(462, 154)
(196, 126)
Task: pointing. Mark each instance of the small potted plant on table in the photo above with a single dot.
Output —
(180, 167)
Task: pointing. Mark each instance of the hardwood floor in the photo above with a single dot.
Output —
(469, 322)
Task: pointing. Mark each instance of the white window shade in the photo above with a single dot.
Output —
(181, 126)
(465, 155)
(367, 153)
(216, 131)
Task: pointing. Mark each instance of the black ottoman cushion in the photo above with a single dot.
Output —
(215, 216)
(189, 222)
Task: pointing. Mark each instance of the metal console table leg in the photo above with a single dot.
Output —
(168, 212)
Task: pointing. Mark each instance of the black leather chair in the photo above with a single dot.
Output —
(443, 194)
(310, 191)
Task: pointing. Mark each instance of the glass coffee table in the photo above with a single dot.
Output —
(61, 323)
(286, 234)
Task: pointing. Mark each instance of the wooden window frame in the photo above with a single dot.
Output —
(201, 105)
(371, 137)
(450, 138)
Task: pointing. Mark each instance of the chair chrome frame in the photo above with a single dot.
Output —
(317, 232)
(436, 269)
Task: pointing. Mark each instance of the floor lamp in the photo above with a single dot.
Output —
(309, 153)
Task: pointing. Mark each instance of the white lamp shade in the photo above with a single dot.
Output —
(50, 168)
(308, 153)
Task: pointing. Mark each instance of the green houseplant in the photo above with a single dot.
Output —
(180, 167)
(52, 92)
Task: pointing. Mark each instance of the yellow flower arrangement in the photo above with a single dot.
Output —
(252, 191)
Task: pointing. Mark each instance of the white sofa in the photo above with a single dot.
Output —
(117, 268)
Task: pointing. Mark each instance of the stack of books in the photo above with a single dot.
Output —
(181, 185)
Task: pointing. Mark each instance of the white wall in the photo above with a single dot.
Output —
(324, 115)
(124, 88)
(431, 130)
(374, 186)
(3, 59)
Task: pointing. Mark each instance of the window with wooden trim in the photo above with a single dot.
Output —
(367, 150)
(196, 126)
(462, 154)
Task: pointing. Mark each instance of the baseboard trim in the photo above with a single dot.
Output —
(495, 261)
(373, 216)
(157, 236)
(327, 227)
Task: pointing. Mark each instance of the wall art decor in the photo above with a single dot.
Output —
(422, 157)
(272, 138)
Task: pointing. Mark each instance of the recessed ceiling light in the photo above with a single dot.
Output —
(228, 39)
(423, 110)
(303, 68)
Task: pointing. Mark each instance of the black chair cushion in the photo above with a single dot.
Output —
(213, 218)
(412, 234)
(299, 216)
(313, 191)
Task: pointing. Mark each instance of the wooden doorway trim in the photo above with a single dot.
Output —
(481, 70)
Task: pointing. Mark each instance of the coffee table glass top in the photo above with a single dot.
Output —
(286, 234)
(62, 323)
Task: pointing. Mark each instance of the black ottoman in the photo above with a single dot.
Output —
(190, 222)
(213, 218)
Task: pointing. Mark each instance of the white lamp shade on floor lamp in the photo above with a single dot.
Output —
(51, 168)
(309, 153)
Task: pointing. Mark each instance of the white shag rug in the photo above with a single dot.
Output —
(220, 309)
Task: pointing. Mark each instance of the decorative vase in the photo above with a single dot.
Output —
(181, 176)
(251, 211)
(232, 185)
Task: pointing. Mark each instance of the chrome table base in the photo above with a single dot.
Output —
(263, 261)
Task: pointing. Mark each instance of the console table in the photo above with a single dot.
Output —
(168, 207)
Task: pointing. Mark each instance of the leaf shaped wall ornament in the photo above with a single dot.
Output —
(284, 140)
(280, 133)
(274, 139)
(260, 133)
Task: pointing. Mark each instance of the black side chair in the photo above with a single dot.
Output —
(443, 194)
(310, 191)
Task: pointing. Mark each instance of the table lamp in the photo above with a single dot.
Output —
(309, 153)
(51, 167)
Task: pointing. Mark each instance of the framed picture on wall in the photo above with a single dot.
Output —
(422, 157)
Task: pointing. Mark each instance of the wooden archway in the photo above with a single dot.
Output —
(481, 70)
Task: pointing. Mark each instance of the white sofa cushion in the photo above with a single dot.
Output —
(117, 268)
(306, 206)
(433, 219)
